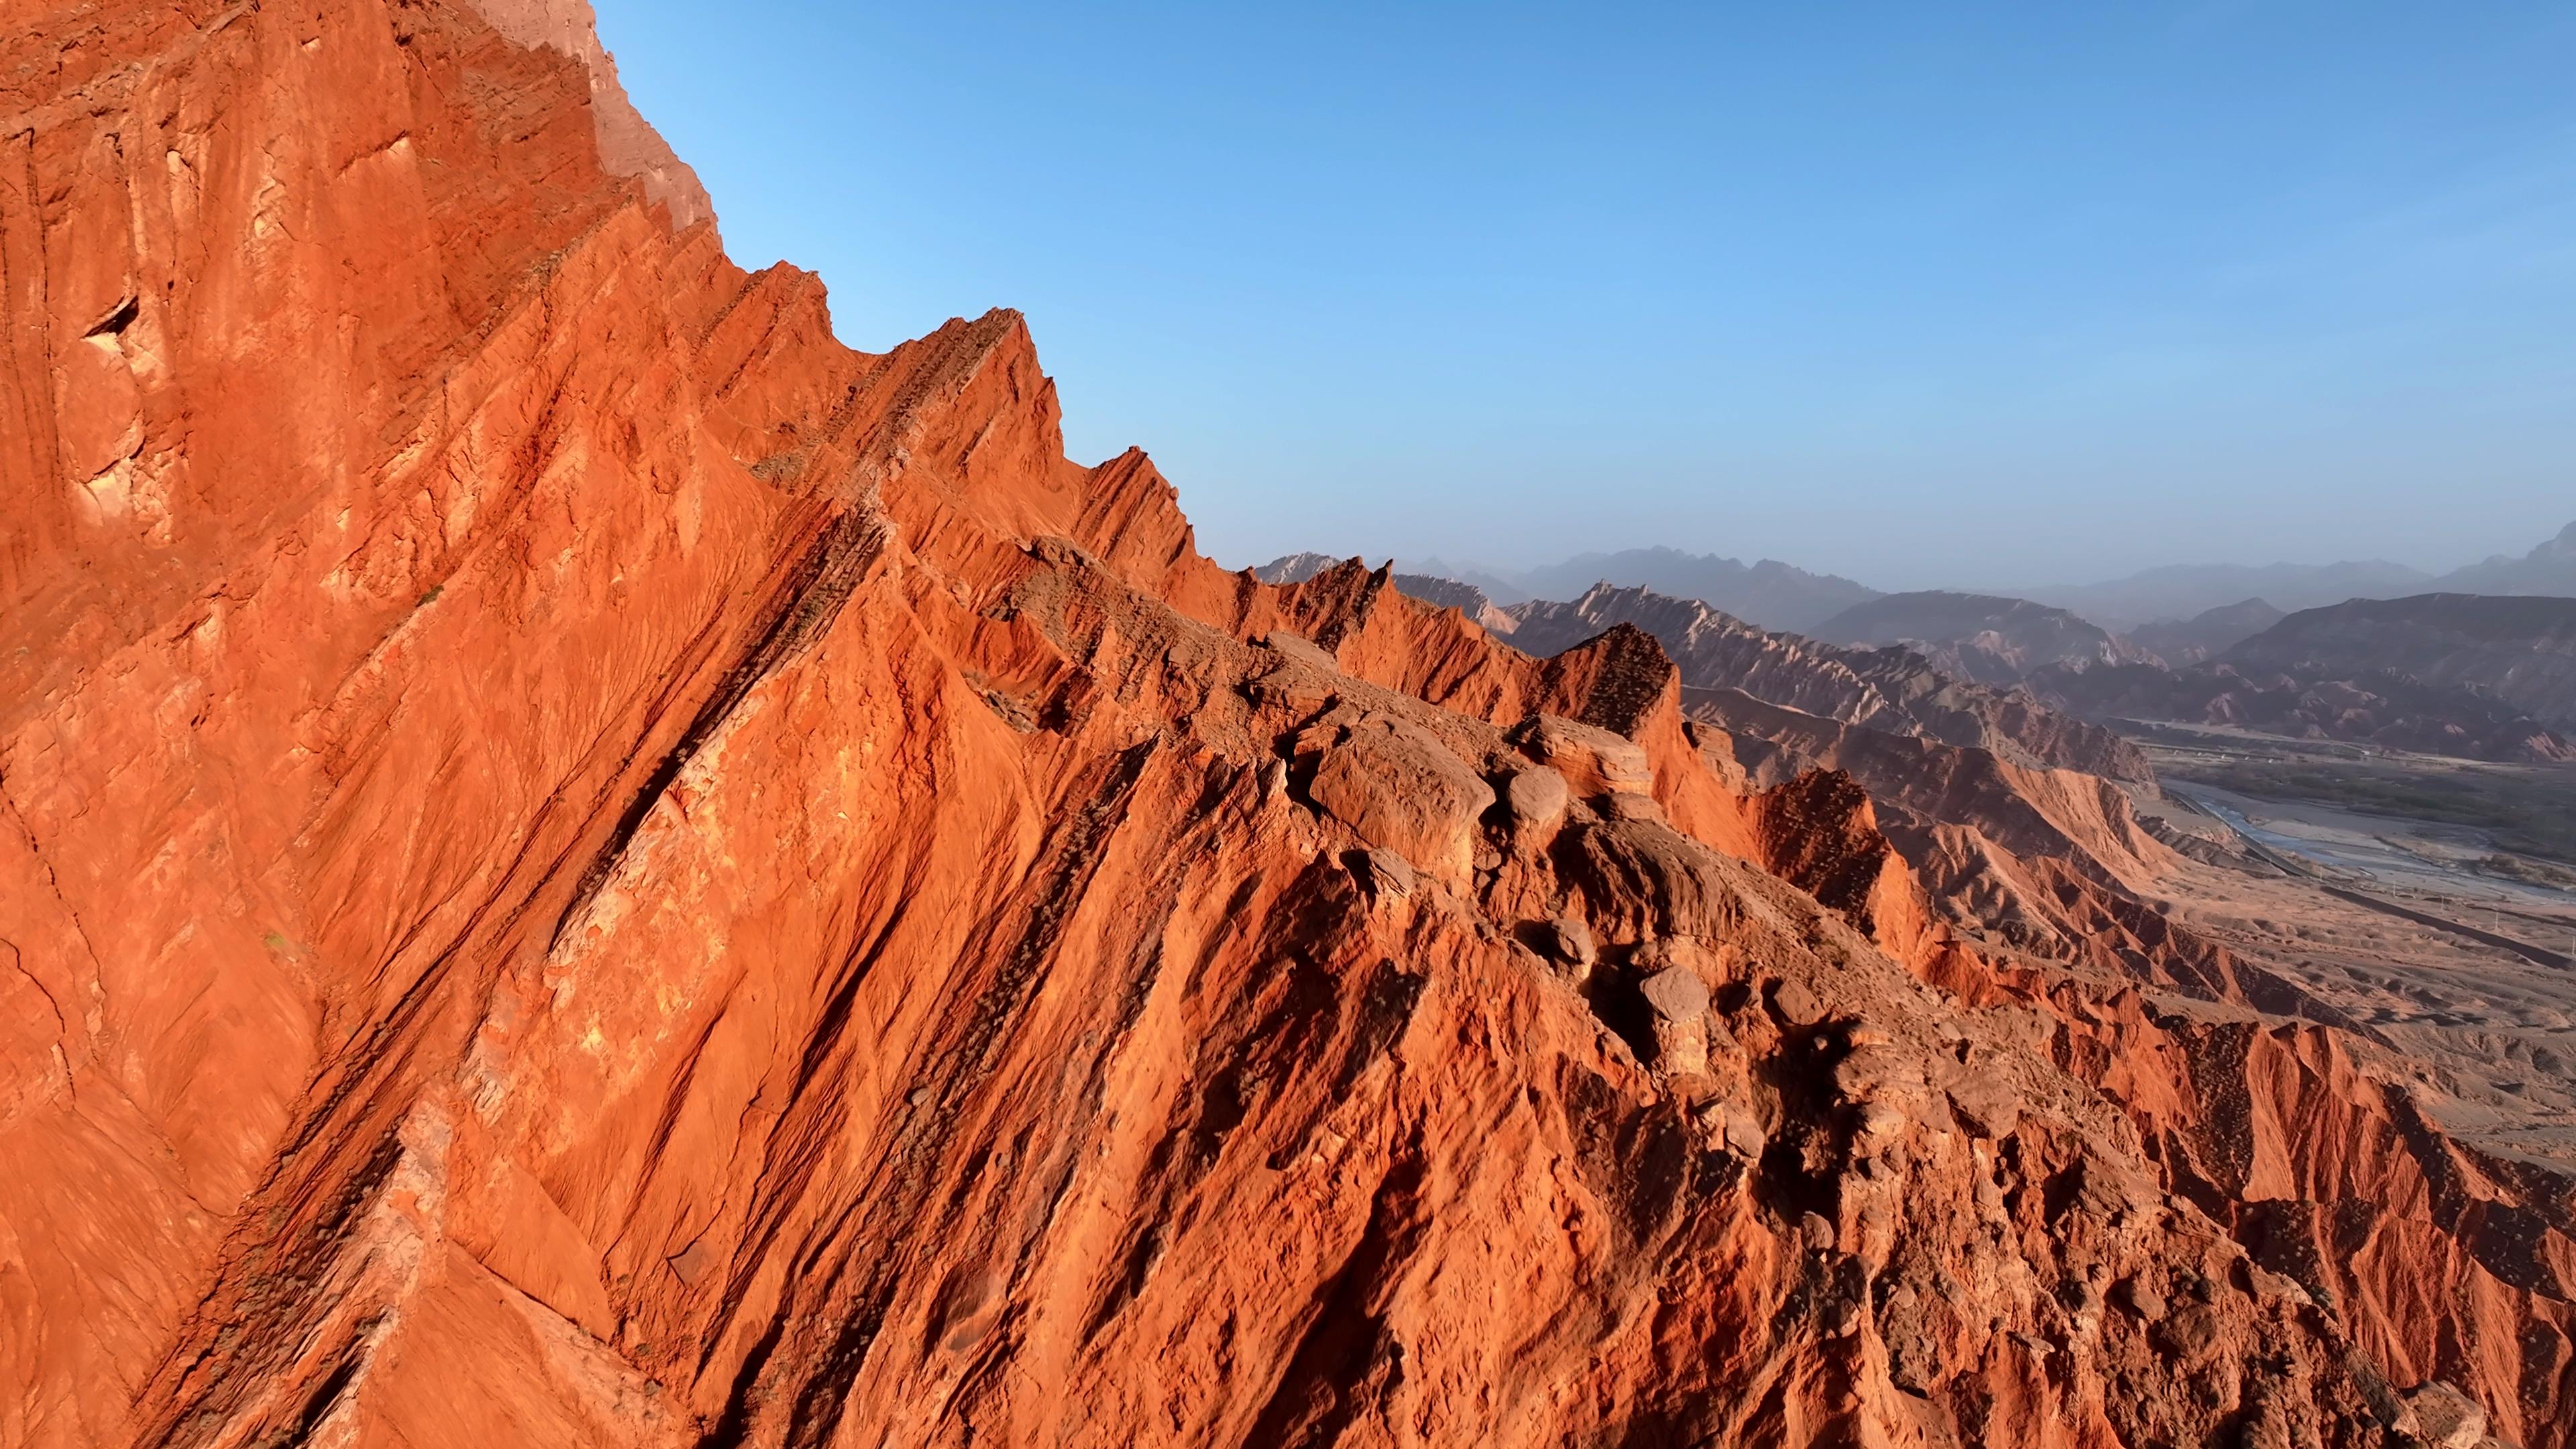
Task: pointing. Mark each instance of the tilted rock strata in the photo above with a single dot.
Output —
(586, 865)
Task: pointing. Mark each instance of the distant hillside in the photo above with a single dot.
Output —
(2186, 591)
(1492, 583)
(1983, 637)
(1293, 568)
(2371, 706)
(2548, 569)
(2519, 649)
(1466, 598)
(1769, 594)
(1892, 691)
(2180, 642)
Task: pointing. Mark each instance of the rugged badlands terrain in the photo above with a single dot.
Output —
(583, 864)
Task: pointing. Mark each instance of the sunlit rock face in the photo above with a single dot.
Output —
(583, 864)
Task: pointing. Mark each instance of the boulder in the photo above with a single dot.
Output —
(1796, 1005)
(1627, 805)
(1398, 789)
(1538, 797)
(1986, 1106)
(1570, 941)
(1593, 761)
(1642, 880)
(1815, 1233)
(2142, 1299)
(1302, 649)
(2446, 1418)
(1678, 1000)
(1389, 874)
(1744, 1135)
(1676, 994)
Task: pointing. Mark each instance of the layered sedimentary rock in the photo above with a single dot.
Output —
(583, 864)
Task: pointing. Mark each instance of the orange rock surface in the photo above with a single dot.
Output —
(583, 864)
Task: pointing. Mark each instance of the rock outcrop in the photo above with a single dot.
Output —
(583, 864)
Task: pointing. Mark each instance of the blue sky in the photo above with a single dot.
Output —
(1967, 294)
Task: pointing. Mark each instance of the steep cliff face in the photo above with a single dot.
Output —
(583, 864)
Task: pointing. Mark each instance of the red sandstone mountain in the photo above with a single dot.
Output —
(583, 864)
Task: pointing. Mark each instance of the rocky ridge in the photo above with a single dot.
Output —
(600, 868)
(1890, 690)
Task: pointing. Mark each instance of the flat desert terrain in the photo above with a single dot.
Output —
(2432, 901)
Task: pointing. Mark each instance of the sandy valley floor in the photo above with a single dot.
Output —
(2452, 952)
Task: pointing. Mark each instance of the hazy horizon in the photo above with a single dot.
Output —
(1463, 561)
(1916, 298)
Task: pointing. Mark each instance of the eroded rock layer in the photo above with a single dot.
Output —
(583, 864)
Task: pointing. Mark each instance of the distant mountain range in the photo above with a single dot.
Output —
(2212, 632)
(2548, 569)
(2478, 676)
(1769, 593)
(2518, 650)
(2484, 666)
(1984, 637)
(2187, 591)
(1776, 595)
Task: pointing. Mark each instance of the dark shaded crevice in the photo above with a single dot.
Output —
(115, 323)
(325, 1397)
(1348, 1359)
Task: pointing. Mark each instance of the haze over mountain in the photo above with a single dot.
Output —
(2518, 649)
(2214, 631)
(2185, 591)
(2547, 569)
(1778, 595)
(1768, 593)
(1979, 636)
